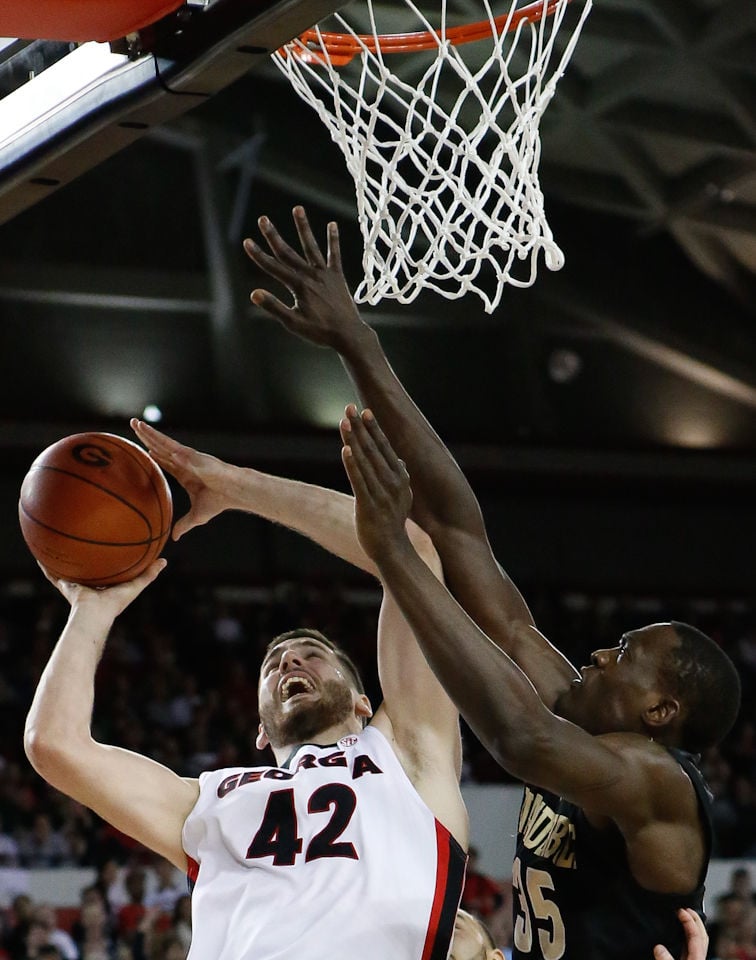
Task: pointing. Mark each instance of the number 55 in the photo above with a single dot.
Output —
(536, 910)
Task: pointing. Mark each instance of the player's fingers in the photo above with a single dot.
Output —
(184, 525)
(691, 919)
(158, 444)
(334, 247)
(385, 464)
(661, 953)
(271, 305)
(381, 442)
(271, 265)
(278, 246)
(353, 473)
(370, 485)
(313, 253)
(154, 569)
(48, 576)
(371, 460)
(695, 932)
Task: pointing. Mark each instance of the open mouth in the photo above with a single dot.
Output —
(294, 686)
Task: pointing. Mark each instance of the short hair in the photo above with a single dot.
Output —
(487, 935)
(489, 942)
(344, 659)
(705, 679)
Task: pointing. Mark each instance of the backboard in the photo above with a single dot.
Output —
(69, 102)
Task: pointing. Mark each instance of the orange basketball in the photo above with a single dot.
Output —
(95, 509)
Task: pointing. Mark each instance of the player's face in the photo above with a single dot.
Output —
(621, 684)
(303, 691)
(469, 940)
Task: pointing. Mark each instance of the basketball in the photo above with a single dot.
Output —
(95, 509)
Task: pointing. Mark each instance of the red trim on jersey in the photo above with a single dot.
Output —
(450, 877)
(192, 870)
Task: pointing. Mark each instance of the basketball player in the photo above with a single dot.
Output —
(473, 940)
(614, 832)
(351, 844)
(326, 516)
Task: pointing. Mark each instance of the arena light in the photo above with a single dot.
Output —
(61, 83)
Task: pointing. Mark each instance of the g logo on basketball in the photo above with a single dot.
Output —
(91, 456)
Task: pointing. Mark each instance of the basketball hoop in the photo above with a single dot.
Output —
(445, 159)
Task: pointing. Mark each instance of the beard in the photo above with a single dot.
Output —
(310, 718)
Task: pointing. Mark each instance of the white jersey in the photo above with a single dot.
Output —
(333, 856)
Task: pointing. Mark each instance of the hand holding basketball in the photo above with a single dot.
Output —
(95, 509)
(111, 601)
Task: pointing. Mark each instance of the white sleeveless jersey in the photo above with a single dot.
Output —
(332, 857)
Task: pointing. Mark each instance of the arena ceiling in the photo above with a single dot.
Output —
(128, 285)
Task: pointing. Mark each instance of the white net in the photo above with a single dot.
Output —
(445, 161)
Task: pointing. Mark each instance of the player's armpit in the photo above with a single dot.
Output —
(136, 795)
(627, 781)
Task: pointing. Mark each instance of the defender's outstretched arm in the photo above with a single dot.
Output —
(445, 506)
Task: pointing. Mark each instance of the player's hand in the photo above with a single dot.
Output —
(201, 475)
(696, 938)
(380, 482)
(107, 601)
(323, 311)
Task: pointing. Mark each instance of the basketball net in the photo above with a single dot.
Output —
(445, 162)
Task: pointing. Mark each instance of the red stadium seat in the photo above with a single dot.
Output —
(80, 20)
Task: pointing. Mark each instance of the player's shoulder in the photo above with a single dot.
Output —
(636, 748)
(655, 775)
(640, 747)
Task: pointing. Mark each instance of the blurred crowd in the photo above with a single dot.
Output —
(138, 912)
(179, 684)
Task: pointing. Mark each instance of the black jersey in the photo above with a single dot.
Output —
(575, 897)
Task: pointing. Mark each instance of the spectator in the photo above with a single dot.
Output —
(170, 886)
(740, 887)
(45, 918)
(95, 938)
(151, 944)
(182, 920)
(22, 908)
(731, 932)
(107, 885)
(9, 852)
(131, 914)
(87, 925)
(42, 846)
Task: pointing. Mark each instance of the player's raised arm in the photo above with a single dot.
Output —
(325, 516)
(625, 778)
(417, 715)
(136, 795)
(445, 505)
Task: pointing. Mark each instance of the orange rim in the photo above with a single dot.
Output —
(343, 47)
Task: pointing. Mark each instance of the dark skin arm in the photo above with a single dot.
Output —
(621, 778)
(445, 506)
